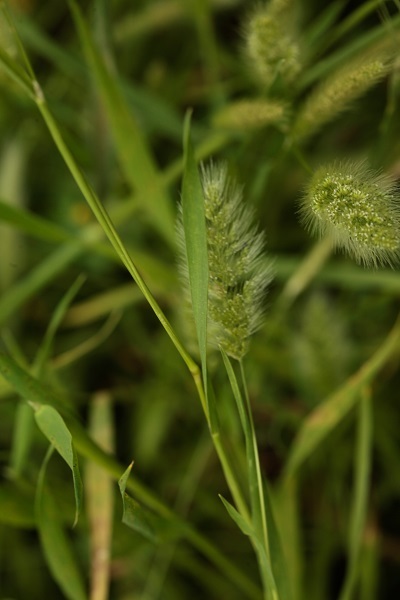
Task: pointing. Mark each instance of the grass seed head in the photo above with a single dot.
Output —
(358, 208)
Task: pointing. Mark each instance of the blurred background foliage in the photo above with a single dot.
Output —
(110, 357)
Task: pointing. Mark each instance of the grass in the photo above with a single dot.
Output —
(269, 477)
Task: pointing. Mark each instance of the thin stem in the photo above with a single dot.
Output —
(258, 493)
(89, 449)
(256, 482)
(109, 229)
(230, 477)
(258, 523)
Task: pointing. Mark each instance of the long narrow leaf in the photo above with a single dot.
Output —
(23, 428)
(58, 315)
(138, 164)
(360, 500)
(140, 519)
(194, 225)
(265, 565)
(40, 275)
(323, 420)
(32, 224)
(52, 425)
(256, 486)
(28, 387)
(57, 549)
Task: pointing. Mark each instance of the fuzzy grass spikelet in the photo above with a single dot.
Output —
(337, 93)
(238, 270)
(358, 208)
(246, 114)
(238, 275)
(271, 45)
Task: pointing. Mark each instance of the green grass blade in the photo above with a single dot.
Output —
(49, 48)
(16, 506)
(154, 528)
(52, 425)
(136, 160)
(324, 22)
(352, 20)
(24, 289)
(265, 565)
(22, 436)
(28, 387)
(16, 72)
(320, 423)
(256, 486)
(362, 42)
(133, 515)
(32, 224)
(285, 508)
(194, 225)
(59, 555)
(156, 114)
(278, 559)
(44, 351)
(24, 418)
(253, 466)
(362, 470)
(109, 229)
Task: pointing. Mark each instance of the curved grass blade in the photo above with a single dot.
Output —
(362, 470)
(135, 157)
(152, 527)
(319, 424)
(28, 387)
(52, 425)
(16, 506)
(24, 289)
(58, 315)
(194, 225)
(248, 530)
(55, 544)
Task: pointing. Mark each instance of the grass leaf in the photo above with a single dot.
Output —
(28, 387)
(155, 528)
(60, 557)
(136, 160)
(52, 425)
(39, 276)
(265, 566)
(325, 417)
(194, 225)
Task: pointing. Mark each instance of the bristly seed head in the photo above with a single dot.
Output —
(359, 208)
(271, 43)
(238, 270)
(239, 274)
